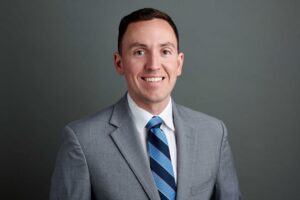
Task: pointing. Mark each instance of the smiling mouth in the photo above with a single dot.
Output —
(153, 79)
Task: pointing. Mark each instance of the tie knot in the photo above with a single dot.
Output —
(154, 122)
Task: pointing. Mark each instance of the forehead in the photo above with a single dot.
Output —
(155, 30)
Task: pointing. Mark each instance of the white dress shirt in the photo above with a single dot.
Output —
(141, 117)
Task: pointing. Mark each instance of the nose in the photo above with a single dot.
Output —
(153, 61)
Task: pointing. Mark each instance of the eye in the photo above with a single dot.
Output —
(139, 52)
(166, 52)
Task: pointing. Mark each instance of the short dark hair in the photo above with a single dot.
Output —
(144, 14)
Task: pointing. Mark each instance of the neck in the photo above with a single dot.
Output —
(155, 108)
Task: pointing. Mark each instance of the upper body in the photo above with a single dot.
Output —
(103, 156)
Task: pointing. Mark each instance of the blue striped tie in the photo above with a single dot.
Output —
(160, 160)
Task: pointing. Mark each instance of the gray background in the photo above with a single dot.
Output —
(242, 65)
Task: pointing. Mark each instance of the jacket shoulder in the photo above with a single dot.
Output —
(194, 116)
(98, 119)
(206, 125)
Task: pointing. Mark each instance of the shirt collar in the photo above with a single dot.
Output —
(141, 116)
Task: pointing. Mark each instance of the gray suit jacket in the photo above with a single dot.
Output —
(101, 158)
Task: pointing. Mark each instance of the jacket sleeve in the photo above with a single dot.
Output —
(226, 187)
(70, 179)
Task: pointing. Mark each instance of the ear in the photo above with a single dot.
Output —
(180, 60)
(118, 63)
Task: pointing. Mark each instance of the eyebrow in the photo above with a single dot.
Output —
(167, 44)
(137, 44)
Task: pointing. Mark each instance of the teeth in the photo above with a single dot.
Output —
(154, 79)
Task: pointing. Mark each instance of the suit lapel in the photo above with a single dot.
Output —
(185, 139)
(127, 140)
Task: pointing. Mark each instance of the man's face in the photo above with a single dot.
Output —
(150, 62)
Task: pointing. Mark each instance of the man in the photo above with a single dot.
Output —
(146, 146)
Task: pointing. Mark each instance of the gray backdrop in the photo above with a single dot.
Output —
(242, 65)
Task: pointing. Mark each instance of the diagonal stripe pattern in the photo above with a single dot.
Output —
(160, 160)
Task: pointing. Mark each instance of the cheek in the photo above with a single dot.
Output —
(133, 66)
(131, 75)
(174, 69)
